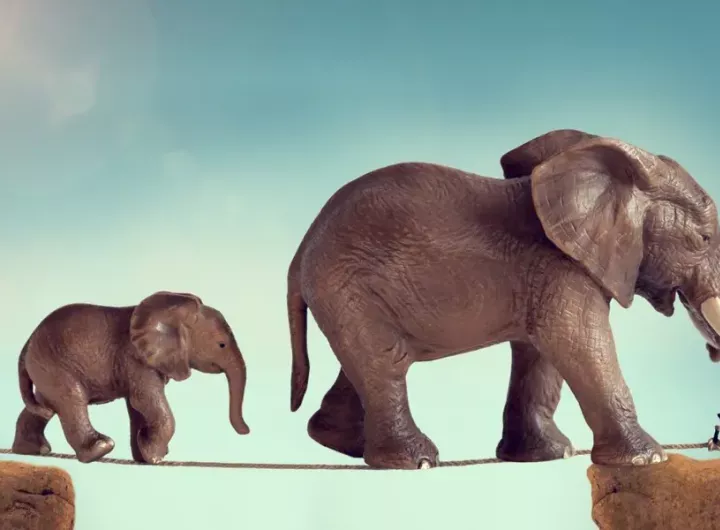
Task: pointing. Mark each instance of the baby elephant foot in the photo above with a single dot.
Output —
(410, 451)
(31, 447)
(152, 452)
(97, 448)
(535, 445)
(636, 448)
(334, 433)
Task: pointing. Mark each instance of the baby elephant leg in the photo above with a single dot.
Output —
(89, 445)
(30, 433)
(529, 430)
(62, 393)
(152, 422)
(137, 424)
(338, 424)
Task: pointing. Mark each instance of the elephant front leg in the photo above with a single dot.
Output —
(529, 430)
(154, 431)
(573, 332)
(137, 424)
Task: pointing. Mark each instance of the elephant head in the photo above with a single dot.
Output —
(637, 222)
(174, 332)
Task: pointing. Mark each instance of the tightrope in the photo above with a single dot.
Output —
(317, 467)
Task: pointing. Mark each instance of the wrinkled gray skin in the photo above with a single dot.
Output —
(85, 354)
(415, 262)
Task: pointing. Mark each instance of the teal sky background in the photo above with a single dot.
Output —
(178, 145)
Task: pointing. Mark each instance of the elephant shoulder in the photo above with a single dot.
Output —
(562, 287)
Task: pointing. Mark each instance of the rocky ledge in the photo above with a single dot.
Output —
(35, 497)
(681, 493)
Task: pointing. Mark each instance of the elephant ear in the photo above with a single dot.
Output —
(591, 204)
(522, 160)
(160, 331)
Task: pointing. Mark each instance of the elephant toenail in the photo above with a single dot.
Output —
(569, 452)
(424, 464)
(638, 461)
(656, 458)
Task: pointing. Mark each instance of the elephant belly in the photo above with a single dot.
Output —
(446, 312)
(101, 399)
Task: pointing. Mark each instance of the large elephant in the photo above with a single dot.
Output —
(83, 354)
(415, 262)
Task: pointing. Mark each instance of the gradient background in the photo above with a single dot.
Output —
(148, 145)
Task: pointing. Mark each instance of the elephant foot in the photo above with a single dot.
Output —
(402, 452)
(534, 445)
(97, 449)
(31, 447)
(152, 452)
(341, 436)
(634, 448)
(425, 464)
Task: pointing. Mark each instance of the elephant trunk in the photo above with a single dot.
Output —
(236, 373)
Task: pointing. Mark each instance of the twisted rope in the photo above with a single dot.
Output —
(335, 467)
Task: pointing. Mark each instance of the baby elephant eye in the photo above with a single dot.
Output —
(221, 344)
(706, 238)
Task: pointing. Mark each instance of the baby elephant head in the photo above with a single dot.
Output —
(174, 332)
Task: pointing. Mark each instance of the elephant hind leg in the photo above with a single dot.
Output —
(88, 444)
(338, 424)
(376, 359)
(30, 433)
(71, 405)
(529, 430)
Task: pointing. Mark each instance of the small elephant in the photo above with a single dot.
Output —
(84, 354)
(415, 262)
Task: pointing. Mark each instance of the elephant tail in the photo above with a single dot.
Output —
(297, 316)
(26, 389)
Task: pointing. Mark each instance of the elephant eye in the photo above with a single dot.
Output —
(221, 344)
(706, 238)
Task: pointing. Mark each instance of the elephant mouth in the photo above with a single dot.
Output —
(214, 369)
(206, 367)
(707, 321)
(180, 376)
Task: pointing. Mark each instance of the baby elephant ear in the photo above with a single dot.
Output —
(522, 160)
(160, 331)
(591, 204)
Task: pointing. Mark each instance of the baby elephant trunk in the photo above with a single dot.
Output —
(234, 368)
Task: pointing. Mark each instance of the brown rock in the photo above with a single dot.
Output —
(35, 497)
(679, 494)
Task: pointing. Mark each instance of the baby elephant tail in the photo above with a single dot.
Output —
(297, 316)
(26, 390)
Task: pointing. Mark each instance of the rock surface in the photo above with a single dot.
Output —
(35, 497)
(679, 494)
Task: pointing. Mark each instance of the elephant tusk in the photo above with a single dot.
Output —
(710, 310)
